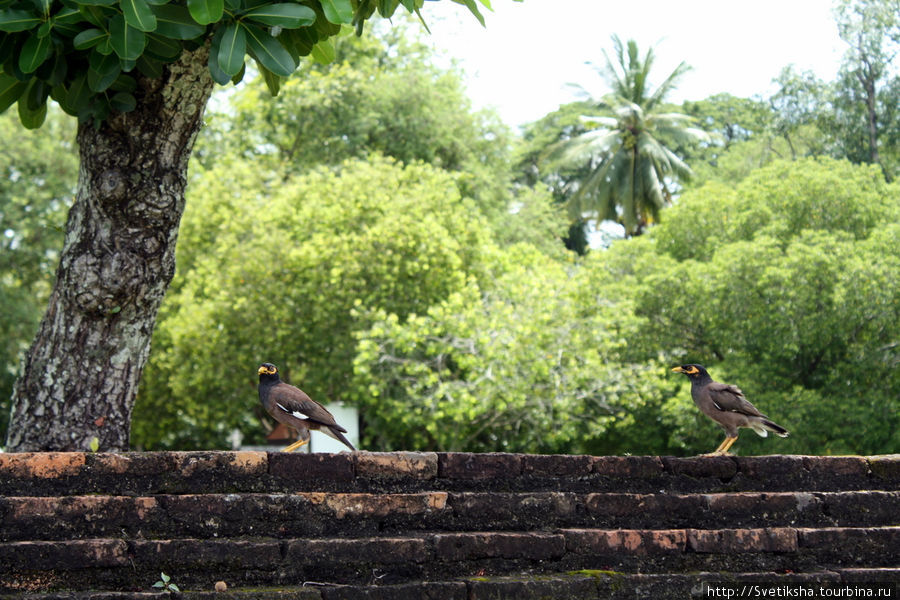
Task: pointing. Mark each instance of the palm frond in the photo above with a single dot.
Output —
(651, 188)
(667, 162)
(682, 137)
(667, 85)
(674, 118)
(619, 83)
(641, 70)
(583, 148)
(594, 189)
(599, 121)
(628, 155)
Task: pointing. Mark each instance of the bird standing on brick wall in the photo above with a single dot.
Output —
(291, 406)
(725, 404)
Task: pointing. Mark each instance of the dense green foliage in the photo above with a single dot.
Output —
(387, 247)
(530, 158)
(747, 134)
(291, 278)
(37, 181)
(382, 94)
(88, 56)
(786, 284)
(865, 101)
(528, 362)
(790, 285)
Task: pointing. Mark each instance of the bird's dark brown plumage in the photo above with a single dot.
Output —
(726, 405)
(291, 406)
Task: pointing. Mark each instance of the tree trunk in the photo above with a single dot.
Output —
(81, 373)
(868, 75)
(868, 84)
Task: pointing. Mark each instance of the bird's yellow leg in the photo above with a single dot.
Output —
(728, 443)
(295, 445)
(718, 450)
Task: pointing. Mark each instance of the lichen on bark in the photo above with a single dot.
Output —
(81, 373)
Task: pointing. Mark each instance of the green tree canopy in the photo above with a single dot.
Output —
(745, 134)
(854, 117)
(383, 94)
(787, 287)
(526, 363)
(290, 279)
(786, 284)
(824, 194)
(783, 285)
(537, 137)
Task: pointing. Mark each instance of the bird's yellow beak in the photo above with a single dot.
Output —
(261, 370)
(678, 370)
(265, 370)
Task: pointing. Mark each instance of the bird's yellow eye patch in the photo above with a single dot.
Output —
(692, 370)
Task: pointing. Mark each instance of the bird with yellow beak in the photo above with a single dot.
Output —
(291, 406)
(726, 405)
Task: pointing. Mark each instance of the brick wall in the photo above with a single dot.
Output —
(439, 525)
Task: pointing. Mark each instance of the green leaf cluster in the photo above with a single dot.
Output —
(89, 56)
(383, 94)
(165, 583)
(527, 362)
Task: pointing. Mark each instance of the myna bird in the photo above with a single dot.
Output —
(725, 404)
(291, 406)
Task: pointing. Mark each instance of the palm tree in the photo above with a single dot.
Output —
(628, 148)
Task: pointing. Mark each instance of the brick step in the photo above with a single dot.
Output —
(118, 564)
(317, 514)
(586, 585)
(147, 473)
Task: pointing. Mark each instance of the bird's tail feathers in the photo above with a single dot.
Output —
(762, 425)
(335, 433)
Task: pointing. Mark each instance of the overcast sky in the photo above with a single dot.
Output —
(523, 60)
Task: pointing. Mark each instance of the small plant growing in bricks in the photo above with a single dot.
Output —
(165, 583)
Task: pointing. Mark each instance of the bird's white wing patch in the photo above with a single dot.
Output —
(295, 413)
(760, 431)
(716, 404)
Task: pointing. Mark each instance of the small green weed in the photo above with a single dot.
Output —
(165, 583)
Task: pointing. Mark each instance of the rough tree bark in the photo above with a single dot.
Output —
(867, 75)
(81, 373)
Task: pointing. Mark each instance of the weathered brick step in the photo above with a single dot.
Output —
(144, 473)
(116, 564)
(317, 514)
(588, 585)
